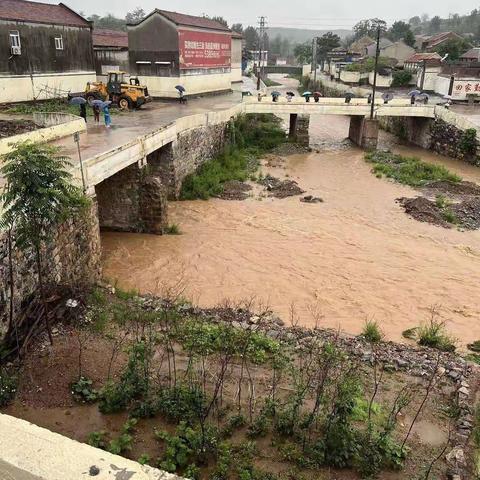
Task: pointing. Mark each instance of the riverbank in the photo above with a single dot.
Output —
(129, 368)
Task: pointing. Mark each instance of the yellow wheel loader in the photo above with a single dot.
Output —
(118, 91)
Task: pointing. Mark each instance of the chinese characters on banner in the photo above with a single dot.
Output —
(204, 49)
(462, 89)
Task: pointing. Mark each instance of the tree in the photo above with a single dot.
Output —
(435, 24)
(325, 44)
(220, 20)
(454, 47)
(398, 30)
(108, 21)
(37, 197)
(237, 27)
(409, 38)
(303, 53)
(251, 38)
(135, 15)
(369, 28)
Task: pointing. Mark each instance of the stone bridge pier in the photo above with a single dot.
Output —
(133, 200)
(299, 128)
(364, 132)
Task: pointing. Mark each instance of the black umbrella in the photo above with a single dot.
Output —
(291, 94)
(180, 88)
(78, 101)
(349, 95)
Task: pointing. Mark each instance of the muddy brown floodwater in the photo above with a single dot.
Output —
(356, 256)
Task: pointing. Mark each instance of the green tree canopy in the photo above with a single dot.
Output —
(369, 28)
(237, 27)
(251, 38)
(325, 44)
(303, 52)
(135, 15)
(454, 47)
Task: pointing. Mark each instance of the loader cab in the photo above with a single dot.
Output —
(114, 84)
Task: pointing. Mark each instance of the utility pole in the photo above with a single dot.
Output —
(261, 35)
(377, 56)
(314, 61)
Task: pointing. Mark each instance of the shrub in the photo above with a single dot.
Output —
(433, 335)
(97, 439)
(410, 333)
(401, 78)
(83, 391)
(468, 142)
(371, 331)
(8, 387)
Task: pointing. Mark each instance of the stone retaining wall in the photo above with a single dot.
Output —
(432, 134)
(72, 259)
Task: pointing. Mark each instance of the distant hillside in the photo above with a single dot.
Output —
(300, 35)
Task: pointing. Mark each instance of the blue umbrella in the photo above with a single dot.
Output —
(97, 103)
(307, 94)
(276, 94)
(180, 88)
(77, 101)
(414, 93)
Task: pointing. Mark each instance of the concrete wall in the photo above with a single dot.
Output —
(56, 125)
(364, 132)
(383, 81)
(28, 452)
(71, 259)
(350, 77)
(236, 70)
(23, 88)
(194, 84)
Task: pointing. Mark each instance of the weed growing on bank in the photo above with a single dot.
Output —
(371, 331)
(433, 335)
(251, 136)
(50, 106)
(229, 391)
(408, 170)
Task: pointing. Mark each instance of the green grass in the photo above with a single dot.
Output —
(173, 229)
(408, 170)
(371, 331)
(50, 106)
(475, 346)
(254, 136)
(433, 335)
(410, 333)
(271, 83)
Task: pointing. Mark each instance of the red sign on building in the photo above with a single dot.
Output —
(204, 49)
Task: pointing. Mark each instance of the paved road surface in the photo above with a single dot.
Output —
(129, 125)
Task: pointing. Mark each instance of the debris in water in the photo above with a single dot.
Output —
(281, 188)
(311, 199)
(235, 190)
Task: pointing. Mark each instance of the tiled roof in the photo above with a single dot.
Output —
(420, 57)
(440, 37)
(472, 53)
(37, 12)
(109, 38)
(182, 19)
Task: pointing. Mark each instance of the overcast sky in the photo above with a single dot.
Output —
(311, 14)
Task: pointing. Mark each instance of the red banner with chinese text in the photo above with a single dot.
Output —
(204, 49)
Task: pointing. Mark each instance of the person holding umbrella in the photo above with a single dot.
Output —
(181, 93)
(81, 102)
(106, 114)
(307, 96)
(275, 96)
(290, 95)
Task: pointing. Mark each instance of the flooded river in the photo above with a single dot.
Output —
(356, 256)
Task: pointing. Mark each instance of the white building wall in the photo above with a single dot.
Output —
(383, 81)
(350, 77)
(236, 60)
(194, 84)
(23, 88)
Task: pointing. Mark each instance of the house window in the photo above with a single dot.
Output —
(15, 38)
(59, 43)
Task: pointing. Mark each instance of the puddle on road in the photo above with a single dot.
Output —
(353, 257)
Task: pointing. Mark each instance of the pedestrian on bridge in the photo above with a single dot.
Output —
(106, 115)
